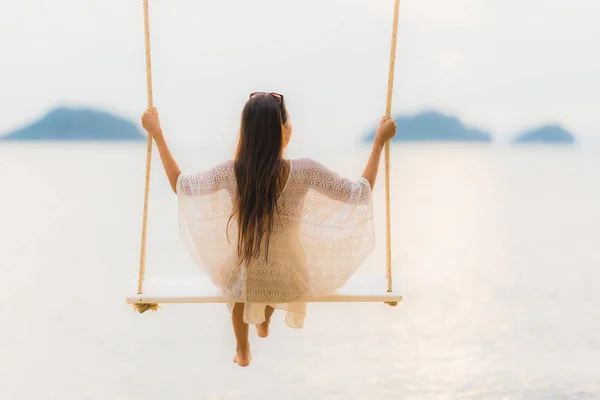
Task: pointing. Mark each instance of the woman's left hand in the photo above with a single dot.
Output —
(151, 123)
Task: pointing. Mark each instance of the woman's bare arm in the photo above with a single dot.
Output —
(386, 131)
(370, 172)
(169, 164)
(151, 122)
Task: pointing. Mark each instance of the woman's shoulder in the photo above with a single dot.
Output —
(305, 164)
(221, 170)
(224, 166)
(307, 171)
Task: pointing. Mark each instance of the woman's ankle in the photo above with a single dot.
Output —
(242, 348)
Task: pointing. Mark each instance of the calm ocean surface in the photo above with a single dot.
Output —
(496, 249)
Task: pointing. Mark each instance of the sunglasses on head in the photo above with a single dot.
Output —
(276, 95)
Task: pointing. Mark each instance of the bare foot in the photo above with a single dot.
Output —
(263, 329)
(243, 357)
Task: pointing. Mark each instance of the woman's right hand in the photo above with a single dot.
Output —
(386, 130)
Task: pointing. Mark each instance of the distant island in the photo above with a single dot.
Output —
(432, 126)
(545, 134)
(75, 124)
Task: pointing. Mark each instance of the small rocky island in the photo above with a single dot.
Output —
(546, 134)
(78, 124)
(432, 126)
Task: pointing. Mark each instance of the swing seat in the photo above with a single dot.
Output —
(199, 289)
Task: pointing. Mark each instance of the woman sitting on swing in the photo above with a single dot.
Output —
(268, 230)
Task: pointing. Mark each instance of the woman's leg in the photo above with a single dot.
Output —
(263, 329)
(240, 328)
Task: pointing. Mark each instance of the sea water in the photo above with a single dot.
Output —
(495, 250)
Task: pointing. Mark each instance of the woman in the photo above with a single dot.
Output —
(267, 230)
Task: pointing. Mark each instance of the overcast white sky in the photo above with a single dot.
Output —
(499, 65)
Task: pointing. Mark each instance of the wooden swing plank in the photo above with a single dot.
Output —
(199, 289)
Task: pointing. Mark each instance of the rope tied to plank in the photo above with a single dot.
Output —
(143, 307)
(388, 113)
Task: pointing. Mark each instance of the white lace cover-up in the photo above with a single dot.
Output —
(321, 235)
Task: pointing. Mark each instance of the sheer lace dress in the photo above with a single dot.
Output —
(323, 232)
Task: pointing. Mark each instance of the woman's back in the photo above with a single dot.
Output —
(322, 231)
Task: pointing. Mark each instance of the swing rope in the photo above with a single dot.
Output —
(388, 113)
(143, 307)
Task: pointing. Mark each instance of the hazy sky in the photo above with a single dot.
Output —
(499, 65)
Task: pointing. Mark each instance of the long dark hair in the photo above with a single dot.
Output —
(258, 169)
